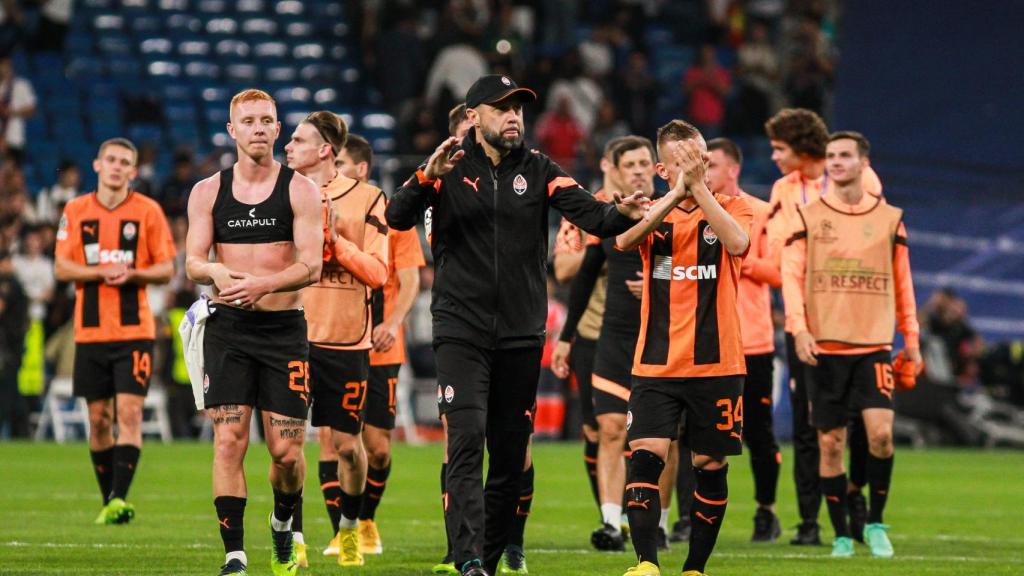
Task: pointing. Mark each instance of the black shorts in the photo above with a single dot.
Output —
(257, 358)
(500, 383)
(713, 408)
(380, 396)
(338, 380)
(613, 371)
(843, 384)
(104, 369)
(582, 361)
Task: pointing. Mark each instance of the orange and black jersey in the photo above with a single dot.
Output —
(489, 239)
(133, 233)
(689, 324)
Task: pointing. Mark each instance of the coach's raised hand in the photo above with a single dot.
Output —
(443, 160)
(634, 206)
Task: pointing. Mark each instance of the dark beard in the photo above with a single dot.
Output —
(503, 143)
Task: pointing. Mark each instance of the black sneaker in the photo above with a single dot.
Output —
(607, 538)
(807, 534)
(474, 568)
(766, 526)
(233, 567)
(680, 530)
(662, 540)
(858, 508)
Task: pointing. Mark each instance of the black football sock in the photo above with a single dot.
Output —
(230, 512)
(834, 491)
(879, 478)
(126, 460)
(643, 504)
(709, 502)
(331, 489)
(103, 466)
(376, 481)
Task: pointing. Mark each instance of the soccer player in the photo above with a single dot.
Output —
(490, 198)
(264, 223)
(391, 304)
(798, 138)
(633, 158)
(340, 316)
(111, 244)
(689, 358)
(760, 271)
(576, 359)
(846, 284)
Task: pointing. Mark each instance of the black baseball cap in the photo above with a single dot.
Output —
(493, 88)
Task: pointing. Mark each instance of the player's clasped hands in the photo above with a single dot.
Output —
(116, 274)
(246, 291)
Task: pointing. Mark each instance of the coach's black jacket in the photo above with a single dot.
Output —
(488, 230)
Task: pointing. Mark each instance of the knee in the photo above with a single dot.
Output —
(703, 462)
(880, 443)
(378, 453)
(349, 447)
(287, 458)
(101, 423)
(465, 425)
(129, 416)
(612, 431)
(230, 447)
(831, 446)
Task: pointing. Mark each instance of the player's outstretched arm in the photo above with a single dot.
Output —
(412, 198)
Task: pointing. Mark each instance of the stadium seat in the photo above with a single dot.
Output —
(242, 73)
(293, 95)
(157, 46)
(146, 25)
(222, 26)
(104, 22)
(202, 71)
(298, 29)
(262, 26)
(173, 5)
(274, 50)
(251, 6)
(85, 66)
(280, 74)
(231, 48)
(326, 97)
(214, 94)
(79, 43)
(164, 70)
(308, 51)
(194, 48)
(184, 23)
(114, 46)
(176, 93)
(291, 7)
(155, 418)
(212, 6)
(61, 409)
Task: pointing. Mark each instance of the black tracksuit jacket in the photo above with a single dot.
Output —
(488, 231)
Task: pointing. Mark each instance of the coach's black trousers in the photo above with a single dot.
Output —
(486, 396)
(805, 438)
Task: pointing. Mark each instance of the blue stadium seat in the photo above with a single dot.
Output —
(212, 6)
(308, 51)
(293, 95)
(146, 25)
(179, 112)
(231, 48)
(290, 7)
(194, 48)
(378, 121)
(104, 22)
(327, 97)
(202, 71)
(251, 6)
(157, 46)
(222, 26)
(214, 94)
(280, 74)
(259, 26)
(125, 69)
(177, 93)
(79, 42)
(85, 66)
(164, 70)
(216, 115)
(242, 73)
(140, 133)
(298, 29)
(47, 63)
(272, 50)
(172, 5)
(184, 23)
(113, 46)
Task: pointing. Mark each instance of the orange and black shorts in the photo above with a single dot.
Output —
(841, 384)
(338, 380)
(257, 358)
(712, 406)
(104, 369)
(381, 402)
(613, 371)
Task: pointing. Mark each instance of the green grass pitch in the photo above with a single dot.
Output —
(952, 512)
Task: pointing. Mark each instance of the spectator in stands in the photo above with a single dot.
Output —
(584, 91)
(608, 127)
(637, 94)
(54, 18)
(34, 270)
(173, 195)
(17, 103)
(12, 25)
(13, 326)
(757, 77)
(706, 84)
(14, 196)
(809, 71)
(559, 134)
(945, 318)
(50, 201)
(145, 177)
(453, 72)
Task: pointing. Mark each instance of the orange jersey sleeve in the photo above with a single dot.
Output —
(369, 265)
(758, 272)
(906, 305)
(159, 238)
(794, 270)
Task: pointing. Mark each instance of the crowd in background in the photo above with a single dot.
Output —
(593, 63)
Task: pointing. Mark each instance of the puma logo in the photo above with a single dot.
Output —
(634, 504)
(354, 415)
(90, 229)
(706, 519)
(735, 435)
(336, 503)
(224, 523)
(660, 235)
(832, 498)
(472, 183)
